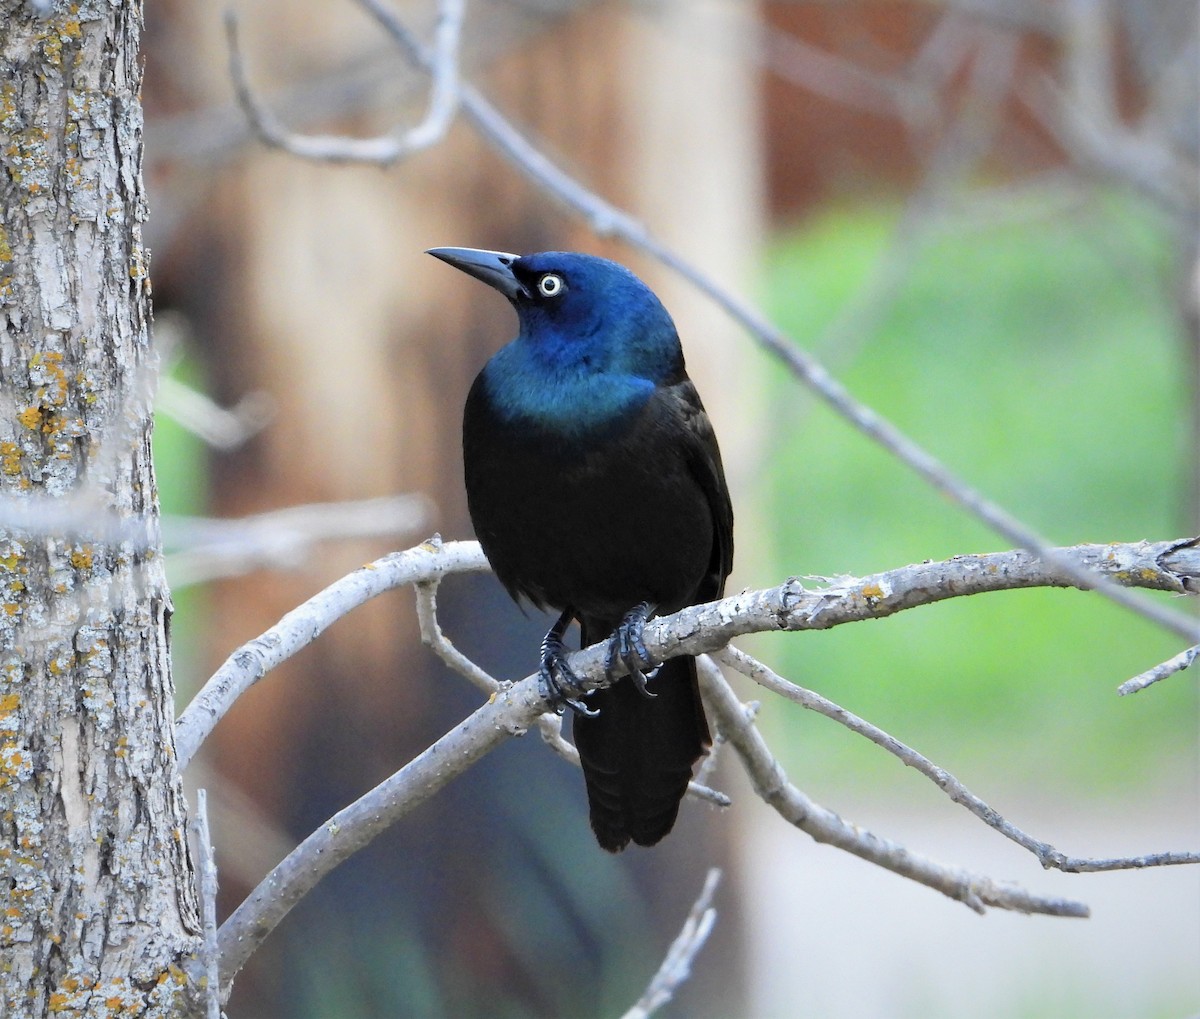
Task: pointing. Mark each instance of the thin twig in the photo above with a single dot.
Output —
(963, 143)
(771, 783)
(300, 627)
(208, 903)
(383, 150)
(202, 549)
(1047, 855)
(219, 427)
(434, 639)
(677, 966)
(1168, 668)
(1082, 114)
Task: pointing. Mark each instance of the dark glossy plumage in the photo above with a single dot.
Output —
(595, 484)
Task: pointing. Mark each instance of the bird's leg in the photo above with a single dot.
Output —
(561, 684)
(627, 648)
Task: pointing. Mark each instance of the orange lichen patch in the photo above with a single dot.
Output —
(31, 418)
(9, 702)
(82, 557)
(872, 591)
(10, 458)
(46, 372)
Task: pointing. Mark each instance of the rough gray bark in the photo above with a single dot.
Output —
(97, 902)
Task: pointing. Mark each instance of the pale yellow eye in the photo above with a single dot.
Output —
(550, 285)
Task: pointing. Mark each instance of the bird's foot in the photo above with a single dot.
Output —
(559, 681)
(628, 649)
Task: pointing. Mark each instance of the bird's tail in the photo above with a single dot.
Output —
(637, 753)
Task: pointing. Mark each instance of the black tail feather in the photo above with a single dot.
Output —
(638, 753)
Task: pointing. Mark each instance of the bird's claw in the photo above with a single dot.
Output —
(562, 687)
(558, 680)
(628, 649)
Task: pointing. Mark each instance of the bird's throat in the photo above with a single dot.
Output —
(567, 401)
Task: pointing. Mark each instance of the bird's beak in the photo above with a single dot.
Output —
(493, 267)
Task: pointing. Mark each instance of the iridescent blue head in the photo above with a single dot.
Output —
(580, 316)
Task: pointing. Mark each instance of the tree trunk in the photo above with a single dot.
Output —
(98, 901)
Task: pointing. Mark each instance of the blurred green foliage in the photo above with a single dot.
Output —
(181, 470)
(1041, 361)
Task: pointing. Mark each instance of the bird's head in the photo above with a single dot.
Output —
(579, 312)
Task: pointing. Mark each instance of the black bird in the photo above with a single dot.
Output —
(595, 487)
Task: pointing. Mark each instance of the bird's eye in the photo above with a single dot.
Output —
(550, 285)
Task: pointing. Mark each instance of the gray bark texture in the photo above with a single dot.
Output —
(97, 903)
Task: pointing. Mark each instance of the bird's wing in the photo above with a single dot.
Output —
(704, 463)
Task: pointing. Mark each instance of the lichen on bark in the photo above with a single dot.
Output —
(97, 902)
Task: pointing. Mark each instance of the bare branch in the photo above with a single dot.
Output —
(510, 712)
(217, 426)
(208, 902)
(210, 548)
(1022, 15)
(386, 149)
(514, 708)
(434, 639)
(249, 663)
(1083, 117)
(962, 145)
(828, 74)
(550, 723)
(607, 220)
(771, 783)
(1165, 566)
(1047, 855)
(677, 966)
(1168, 668)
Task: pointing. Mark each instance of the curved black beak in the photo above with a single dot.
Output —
(493, 267)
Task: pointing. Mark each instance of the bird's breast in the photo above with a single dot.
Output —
(600, 516)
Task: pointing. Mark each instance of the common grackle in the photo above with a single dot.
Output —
(595, 486)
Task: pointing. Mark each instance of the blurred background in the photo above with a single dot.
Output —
(981, 215)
